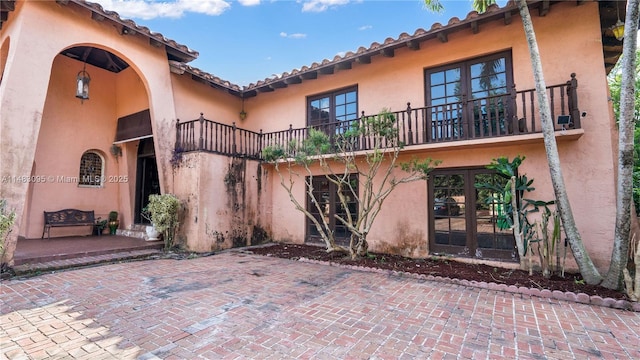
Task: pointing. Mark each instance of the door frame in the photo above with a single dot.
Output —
(471, 220)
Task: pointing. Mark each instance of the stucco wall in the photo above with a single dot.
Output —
(570, 42)
(26, 82)
(227, 202)
(192, 98)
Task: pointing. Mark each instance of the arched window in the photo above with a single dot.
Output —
(91, 169)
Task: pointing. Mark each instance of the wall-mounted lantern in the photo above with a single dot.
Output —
(243, 114)
(82, 84)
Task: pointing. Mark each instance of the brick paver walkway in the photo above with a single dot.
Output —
(234, 305)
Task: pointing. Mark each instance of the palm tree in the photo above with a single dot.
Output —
(586, 266)
(626, 124)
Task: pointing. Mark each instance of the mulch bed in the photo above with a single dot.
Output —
(444, 268)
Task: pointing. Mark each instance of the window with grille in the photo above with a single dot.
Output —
(333, 112)
(91, 169)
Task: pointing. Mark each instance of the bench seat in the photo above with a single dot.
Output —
(67, 217)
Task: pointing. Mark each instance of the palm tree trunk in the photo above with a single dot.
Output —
(626, 125)
(586, 266)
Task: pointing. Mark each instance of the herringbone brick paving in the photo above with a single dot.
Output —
(234, 306)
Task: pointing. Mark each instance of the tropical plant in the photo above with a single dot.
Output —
(549, 243)
(368, 179)
(164, 211)
(7, 219)
(516, 208)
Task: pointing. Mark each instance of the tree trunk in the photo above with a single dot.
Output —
(358, 249)
(626, 125)
(586, 266)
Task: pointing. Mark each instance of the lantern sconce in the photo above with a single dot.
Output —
(618, 27)
(82, 84)
(243, 114)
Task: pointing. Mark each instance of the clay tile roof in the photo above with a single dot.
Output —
(175, 51)
(437, 30)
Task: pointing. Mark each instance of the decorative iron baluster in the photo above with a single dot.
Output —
(201, 140)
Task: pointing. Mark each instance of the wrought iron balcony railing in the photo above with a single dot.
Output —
(515, 113)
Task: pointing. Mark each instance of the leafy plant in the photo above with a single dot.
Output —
(164, 216)
(516, 209)
(7, 219)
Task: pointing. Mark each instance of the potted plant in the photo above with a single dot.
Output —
(99, 226)
(164, 215)
(152, 232)
(113, 222)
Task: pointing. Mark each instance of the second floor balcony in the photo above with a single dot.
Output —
(482, 119)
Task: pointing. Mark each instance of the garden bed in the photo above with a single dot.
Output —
(447, 268)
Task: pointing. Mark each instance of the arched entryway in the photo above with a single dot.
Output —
(110, 121)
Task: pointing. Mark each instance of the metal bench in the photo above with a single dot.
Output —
(67, 217)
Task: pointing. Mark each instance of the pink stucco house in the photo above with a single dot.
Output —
(110, 151)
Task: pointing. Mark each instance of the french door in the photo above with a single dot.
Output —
(461, 221)
(326, 194)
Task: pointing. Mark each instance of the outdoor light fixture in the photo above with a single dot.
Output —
(243, 114)
(82, 84)
(618, 28)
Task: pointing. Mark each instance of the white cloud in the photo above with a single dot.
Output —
(321, 5)
(146, 9)
(293, 36)
(365, 27)
(249, 2)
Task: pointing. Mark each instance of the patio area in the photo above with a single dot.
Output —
(34, 256)
(236, 305)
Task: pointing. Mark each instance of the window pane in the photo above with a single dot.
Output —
(351, 97)
(437, 92)
(352, 109)
(437, 78)
(453, 75)
(453, 89)
(341, 99)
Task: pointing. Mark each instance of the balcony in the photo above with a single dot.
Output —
(496, 117)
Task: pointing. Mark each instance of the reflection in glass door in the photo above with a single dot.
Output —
(462, 220)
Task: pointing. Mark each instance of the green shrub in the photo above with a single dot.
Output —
(164, 215)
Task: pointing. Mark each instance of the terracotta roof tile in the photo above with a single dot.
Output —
(182, 52)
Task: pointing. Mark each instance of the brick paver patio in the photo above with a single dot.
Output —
(235, 305)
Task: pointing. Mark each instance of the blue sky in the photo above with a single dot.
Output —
(244, 41)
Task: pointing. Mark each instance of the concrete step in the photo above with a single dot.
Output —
(138, 231)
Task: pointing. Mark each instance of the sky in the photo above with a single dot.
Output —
(244, 41)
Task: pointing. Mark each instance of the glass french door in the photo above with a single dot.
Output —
(326, 194)
(462, 221)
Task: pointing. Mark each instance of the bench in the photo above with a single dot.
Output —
(67, 217)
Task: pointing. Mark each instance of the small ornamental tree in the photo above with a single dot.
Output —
(340, 156)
